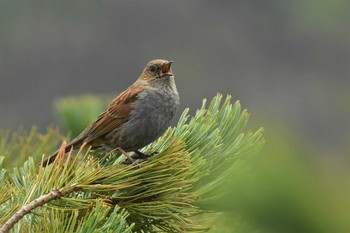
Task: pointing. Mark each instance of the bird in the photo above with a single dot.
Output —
(136, 117)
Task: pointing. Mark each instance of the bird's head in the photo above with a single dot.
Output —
(157, 70)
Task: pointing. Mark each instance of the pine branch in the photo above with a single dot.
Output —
(53, 195)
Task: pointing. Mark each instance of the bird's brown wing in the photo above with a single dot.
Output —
(114, 115)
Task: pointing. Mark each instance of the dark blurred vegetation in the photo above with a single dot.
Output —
(287, 61)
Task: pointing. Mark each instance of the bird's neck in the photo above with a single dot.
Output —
(158, 84)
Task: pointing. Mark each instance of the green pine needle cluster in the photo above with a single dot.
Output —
(18, 146)
(101, 194)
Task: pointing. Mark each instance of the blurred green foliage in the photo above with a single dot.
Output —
(320, 15)
(289, 187)
(16, 147)
(75, 113)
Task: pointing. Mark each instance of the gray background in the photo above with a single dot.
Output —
(287, 61)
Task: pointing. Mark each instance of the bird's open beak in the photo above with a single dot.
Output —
(166, 68)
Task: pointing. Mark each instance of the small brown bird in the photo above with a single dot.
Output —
(136, 117)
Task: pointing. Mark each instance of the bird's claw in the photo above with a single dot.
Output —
(138, 155)
(128, 161)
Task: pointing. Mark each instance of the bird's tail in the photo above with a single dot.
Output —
(64, 148)
(51, 158)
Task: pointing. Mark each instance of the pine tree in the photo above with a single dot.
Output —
(96, 192)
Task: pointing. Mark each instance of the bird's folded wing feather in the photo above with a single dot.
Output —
(117, 112)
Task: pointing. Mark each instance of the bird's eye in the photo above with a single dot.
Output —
(153, 69)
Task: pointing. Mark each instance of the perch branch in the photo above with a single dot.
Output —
(26, 209)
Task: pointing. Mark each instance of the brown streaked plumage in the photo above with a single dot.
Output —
(137, 116)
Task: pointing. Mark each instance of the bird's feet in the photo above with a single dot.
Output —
(129, 159)
(138, 155)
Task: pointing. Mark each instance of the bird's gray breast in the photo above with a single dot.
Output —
(152, 115)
